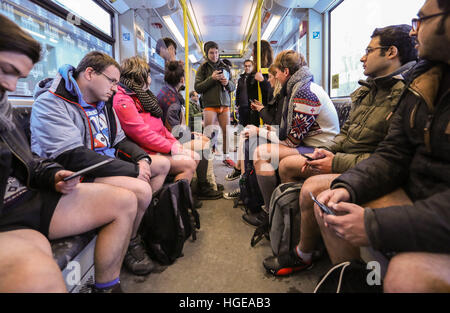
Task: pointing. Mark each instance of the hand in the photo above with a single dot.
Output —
(256, 105)
(216, 75)
(259, 77)
(144, 171)
(331, 197)
(65, 187)
(322, 163)
(349, 224)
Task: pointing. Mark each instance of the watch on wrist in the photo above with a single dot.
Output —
(147, 159)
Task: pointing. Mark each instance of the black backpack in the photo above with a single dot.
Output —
(169, 221)
(250, 195)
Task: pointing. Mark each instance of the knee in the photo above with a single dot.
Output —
(398, 275)
(126, 204)
(143, 191)
(283, 170)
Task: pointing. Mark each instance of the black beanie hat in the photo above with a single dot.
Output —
(208, 45)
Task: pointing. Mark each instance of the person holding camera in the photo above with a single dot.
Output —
(213, 82)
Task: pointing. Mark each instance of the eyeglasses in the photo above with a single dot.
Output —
(415, 22)
(112, 81)
(370, 50)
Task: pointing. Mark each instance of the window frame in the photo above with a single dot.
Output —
(54, 8)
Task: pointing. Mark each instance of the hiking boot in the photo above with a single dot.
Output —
(206, 192)
(136, 259)
(287, 264)
(228, 162)
(233, 175)
(256, 219)
(232, 194)
(113, 289)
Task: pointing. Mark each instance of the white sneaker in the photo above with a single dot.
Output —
(232, 194)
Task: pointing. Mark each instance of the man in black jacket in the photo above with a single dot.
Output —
(37, 204)
(414, 156)
(242, 100)
(73, 122)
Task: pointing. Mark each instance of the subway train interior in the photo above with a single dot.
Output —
(333, 40)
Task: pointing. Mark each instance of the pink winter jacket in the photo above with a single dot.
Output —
(140, 126)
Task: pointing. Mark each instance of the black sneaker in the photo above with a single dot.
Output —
(113, 289)
(256, 219)
(232, 194)
(233, 175)
(136, 259)
(287, 264)
(220, 187)
(206, 192)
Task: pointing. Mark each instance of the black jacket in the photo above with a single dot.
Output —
(252, 91)
(415, 155)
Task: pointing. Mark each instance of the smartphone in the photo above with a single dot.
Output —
(307, 157)
(220, 71)
(322, 206)
(87, 169)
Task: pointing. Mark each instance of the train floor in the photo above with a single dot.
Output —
(221, 260)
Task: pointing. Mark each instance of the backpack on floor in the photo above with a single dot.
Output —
(250, 195)
(347, 277)
(283, 227)
(169, 221)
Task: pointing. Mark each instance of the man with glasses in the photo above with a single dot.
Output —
(388, 56)
(414, 156)
(73, 122)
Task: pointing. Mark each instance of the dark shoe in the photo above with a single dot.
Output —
(233, 175)
(206, 192)
(197, 204)
(232, 194)
(113, 289)
(136, 259)
(284, 265)
(256, 219)
(220, 187)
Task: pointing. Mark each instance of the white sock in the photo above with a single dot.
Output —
(302, 255)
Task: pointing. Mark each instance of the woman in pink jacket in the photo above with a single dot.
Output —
(140, 117)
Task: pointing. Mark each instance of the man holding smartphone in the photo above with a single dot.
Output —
(389, 55)
(414, 156)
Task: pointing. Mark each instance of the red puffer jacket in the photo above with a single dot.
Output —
(140, 126)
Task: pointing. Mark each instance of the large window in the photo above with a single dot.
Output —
(352, 23)
(62, 41)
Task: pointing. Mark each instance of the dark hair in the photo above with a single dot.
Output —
(208, 45)
(248, 60)
(444, 5)
(398, 36)
(174, 73)
(14, 39)
(165, 43)
(266, 53)
(99, 61)
(135, 69)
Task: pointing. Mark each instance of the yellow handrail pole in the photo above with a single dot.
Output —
(186, 58)
(199, 42)
(258, 57)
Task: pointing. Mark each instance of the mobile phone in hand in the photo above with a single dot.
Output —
(307, 157)
(87, 169)
(322, 206)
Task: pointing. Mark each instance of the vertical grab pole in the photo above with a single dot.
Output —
(186, 58)
(258, 57)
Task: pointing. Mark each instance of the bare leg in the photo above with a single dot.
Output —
(183, 166)
(340, 250)
(91, 206)
(140, 188)
(264, 155)
(27, 264)
(290, 169)
(418, 273)
(224, 121)
(160, 167)
(309, 230)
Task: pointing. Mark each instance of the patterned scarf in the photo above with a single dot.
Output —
(146, 97)
(6, 116)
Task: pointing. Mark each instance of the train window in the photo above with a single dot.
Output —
(62, 41)
(351, 25)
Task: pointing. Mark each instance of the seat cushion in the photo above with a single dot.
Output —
(65, 249)
(343, 107)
